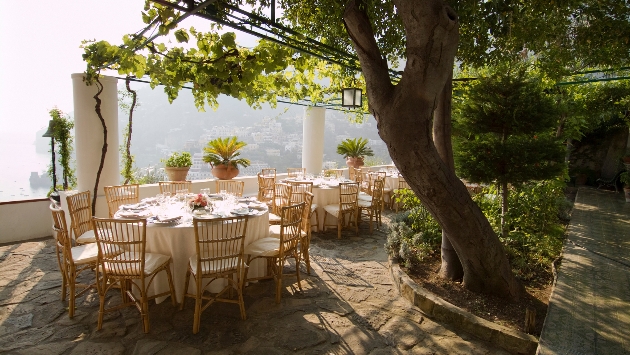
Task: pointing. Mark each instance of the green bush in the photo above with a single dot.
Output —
(535, 224)
(535, 236)
(414, 234)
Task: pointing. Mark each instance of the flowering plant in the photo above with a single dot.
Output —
(198, 202)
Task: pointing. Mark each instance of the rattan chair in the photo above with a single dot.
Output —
(274, 230)
(173, 186)
(295, 172)
(120, 195)
(133, 270)
(80, 211)
(355, 174)
(346, 208)
(268, 172)
(372, 209)
(282, 196)
(337, 173)
(402, 184)
(297, 195)
(72, 260)
(219, 244)
(278, 250)
(266, 189)
(387, 191)
(231, 186)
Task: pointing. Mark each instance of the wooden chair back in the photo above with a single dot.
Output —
(297, 191)
(348, 195)
(377, 193)
(80, 210)
(290, 227)
(231, 186)
(268, 172)
(366, 182)
(337, 173)
(266, 188)
(219, 244)
(306, 214)
(295, 172)
(402, 183)
(62, 237)
(173, 186)
(126, 235)
(282, 196)
(121, 195)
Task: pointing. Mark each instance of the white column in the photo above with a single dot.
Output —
(88, 135)
(313, 139)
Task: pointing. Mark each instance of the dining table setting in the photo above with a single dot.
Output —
(170, 228)
(325, 191)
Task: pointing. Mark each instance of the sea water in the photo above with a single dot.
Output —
(17, 160)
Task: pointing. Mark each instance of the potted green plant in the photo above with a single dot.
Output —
(354, 150)
(625, 179)
(177, 166)
(223, 155)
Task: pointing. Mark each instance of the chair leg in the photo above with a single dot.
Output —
(198, 303)
(340, 217)
(317, 220)
(144, 306)
(101, 306)
(181, 305)
(171, 285)
(279, 267)
(72, 276)
(297, 269)
(307, 259)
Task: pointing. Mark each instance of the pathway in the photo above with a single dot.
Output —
(589, 310)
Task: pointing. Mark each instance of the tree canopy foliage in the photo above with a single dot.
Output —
(565, 36)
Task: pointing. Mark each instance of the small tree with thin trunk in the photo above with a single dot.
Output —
(505, 132)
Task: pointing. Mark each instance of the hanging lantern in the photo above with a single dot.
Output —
(352, 97)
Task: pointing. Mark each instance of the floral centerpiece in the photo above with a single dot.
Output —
(199, 202)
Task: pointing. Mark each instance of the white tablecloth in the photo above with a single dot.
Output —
(323, 196)
(179, 242)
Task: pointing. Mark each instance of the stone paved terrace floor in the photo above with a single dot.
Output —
(589, 310)
(349, 306)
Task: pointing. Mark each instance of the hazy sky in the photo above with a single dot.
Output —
(39, 50)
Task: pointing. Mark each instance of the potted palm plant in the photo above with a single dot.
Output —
(625, 179)
(223, 155)
(177, 166)
(354, 150)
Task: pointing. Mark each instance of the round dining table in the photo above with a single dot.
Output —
(177, 239)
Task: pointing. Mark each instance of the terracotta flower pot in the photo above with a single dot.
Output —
(177, 174)
(354, 162)
(224, 172)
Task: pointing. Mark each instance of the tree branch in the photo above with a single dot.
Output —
(373, 65)
(97, 109)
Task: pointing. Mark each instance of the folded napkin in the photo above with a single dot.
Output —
(167, 218)
(134, 206)
(134, 213)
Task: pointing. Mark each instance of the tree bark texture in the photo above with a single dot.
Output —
(451, 268)
(134, 96)
(97, 109)
(404, 115)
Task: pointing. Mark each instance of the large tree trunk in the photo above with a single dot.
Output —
(404, 117)
(451, 268)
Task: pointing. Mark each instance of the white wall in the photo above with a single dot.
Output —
(25, 220)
